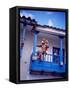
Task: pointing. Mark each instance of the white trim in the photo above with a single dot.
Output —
(51, 31)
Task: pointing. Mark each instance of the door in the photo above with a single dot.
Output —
(56, 55)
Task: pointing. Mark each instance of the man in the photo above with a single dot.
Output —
(44, 47)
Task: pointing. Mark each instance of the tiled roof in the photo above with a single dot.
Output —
(30, 21)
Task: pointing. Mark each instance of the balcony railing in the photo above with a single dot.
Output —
(50, 63)
(48, 58)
